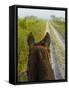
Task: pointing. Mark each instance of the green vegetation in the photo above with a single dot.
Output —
(59, 24)
(25, 26)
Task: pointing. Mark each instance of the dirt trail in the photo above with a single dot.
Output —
(58, 73)
(58, 35)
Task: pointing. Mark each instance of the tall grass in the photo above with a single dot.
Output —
(25, 26)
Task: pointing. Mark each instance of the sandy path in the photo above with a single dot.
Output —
(54, 63)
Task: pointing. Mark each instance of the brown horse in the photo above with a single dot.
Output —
(39, 67)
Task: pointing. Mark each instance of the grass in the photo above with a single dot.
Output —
(25, 26)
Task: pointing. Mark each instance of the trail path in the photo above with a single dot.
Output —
(59, 73)
(60, 38)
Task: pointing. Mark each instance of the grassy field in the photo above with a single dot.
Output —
(25, 26)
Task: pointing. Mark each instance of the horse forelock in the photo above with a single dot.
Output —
(44, 50)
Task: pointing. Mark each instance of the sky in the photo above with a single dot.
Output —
(40, 13)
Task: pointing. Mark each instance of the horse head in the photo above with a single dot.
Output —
(44, 42)
(39, 67)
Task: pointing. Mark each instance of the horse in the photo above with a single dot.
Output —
(39, 66)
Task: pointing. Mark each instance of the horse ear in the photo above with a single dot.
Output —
(46, 41)
(30, 40)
